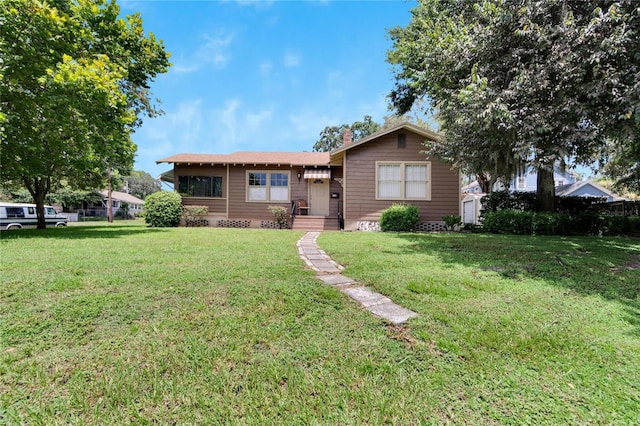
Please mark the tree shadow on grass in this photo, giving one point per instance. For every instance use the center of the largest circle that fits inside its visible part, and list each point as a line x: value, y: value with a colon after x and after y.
x: 78, y: 232
x: 585, y: 265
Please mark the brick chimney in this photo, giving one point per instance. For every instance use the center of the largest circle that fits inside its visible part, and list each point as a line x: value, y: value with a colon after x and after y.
x: 346, y: 137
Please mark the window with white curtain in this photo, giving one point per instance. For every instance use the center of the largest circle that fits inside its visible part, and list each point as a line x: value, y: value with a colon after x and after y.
x: 279, y: 187
x: 403, y: 181
x: 268, y: 186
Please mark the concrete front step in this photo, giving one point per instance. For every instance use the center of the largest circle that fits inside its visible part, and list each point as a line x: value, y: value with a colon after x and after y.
x: 315, y: 223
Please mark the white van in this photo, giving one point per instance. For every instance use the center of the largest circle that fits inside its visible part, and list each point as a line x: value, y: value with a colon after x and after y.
x: 18, y: 215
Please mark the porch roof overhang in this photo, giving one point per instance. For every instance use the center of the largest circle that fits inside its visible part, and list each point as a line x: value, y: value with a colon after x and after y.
x: 317, y: 173
x: 247, y: 158
x: 166, y: 176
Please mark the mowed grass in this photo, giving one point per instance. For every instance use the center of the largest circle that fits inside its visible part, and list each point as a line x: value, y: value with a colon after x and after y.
x: 123, y: 324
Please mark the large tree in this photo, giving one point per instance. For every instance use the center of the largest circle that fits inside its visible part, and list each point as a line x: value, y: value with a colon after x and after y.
x: 75, y: 84
x: 530, y: 82
x: 141, y: 184
x: 332, y: 137
x: 623, y: 164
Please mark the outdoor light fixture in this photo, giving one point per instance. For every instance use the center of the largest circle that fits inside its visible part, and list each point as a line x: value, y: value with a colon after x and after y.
x: 299, y: 176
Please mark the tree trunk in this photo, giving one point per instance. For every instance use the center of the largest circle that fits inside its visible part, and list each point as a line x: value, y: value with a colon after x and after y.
x: 38, y: 188
x: 546, y: 190
x: 485, y: 182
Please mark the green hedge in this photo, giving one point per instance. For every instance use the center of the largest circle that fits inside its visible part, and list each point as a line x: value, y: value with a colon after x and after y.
x: 528, y: 201
x: 163, y: 209
x: 515, y: 213
x: 532, y: 223
x: 400, y: 218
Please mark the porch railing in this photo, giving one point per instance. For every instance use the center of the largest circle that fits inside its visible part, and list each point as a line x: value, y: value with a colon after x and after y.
x: 293, y: 211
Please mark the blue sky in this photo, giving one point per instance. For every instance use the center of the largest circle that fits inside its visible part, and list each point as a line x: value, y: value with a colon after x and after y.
x: 264, y: 76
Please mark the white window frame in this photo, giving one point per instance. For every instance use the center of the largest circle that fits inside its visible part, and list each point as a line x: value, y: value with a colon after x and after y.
x: 403, y: 182
x: 521, y: 182
x: 268, y: 186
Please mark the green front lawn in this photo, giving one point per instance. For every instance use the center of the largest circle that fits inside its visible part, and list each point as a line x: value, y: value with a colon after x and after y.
x: 118, y: 324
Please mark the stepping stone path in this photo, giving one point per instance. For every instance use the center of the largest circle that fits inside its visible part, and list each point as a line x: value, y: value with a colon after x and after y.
x: 330, y: 273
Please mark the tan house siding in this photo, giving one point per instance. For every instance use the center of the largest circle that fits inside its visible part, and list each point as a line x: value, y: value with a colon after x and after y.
x: 235, y: 184
x: 217, y: 206
x: 240, y: 208
x: 360, y: 179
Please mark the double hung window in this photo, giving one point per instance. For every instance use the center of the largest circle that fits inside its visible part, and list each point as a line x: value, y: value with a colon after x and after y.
x: 268, y: 186
x: 403, y: 181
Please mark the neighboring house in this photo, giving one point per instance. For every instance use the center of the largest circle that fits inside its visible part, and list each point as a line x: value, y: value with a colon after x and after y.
x: 527, y: 180
x: 587, y: 188
x: 472, y: 188
x: 352, y: 184
x: 133, y: 205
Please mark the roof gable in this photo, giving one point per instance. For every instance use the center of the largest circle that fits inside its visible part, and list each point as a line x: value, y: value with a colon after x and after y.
x: 570, y: 189
x: 428, y: 134
x: 122, y: 196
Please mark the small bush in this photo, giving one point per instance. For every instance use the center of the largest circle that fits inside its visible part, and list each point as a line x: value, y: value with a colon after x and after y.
x: 194, y: 215
x: 279, y: 216
x: 163, y: 209
x: 192, y: 212
x: 507, y: 222
x: 620, y: 225
x: 452, y: 222
x: 399, y: 218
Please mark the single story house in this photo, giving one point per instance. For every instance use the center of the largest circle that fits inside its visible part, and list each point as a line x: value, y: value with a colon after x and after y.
x: 350, y: 186
x: 587, y: 188
x: 121, y: 200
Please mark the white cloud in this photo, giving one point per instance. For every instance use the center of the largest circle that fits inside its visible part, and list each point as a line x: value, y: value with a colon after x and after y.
x: 174, y: 132
x: 335, y: 84
x: 183, y: 68
x: 179, y: 128
x: 265, y: 68
x: 291, y: 60
x: 256, y: 120
x: 258, y: 4
x: 309, y: 122
x: 215, y: 50
x: 133, y: 5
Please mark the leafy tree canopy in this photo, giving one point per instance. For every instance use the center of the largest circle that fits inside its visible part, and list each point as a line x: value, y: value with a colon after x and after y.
x: 623, y: 164
x: 141, y: 184
x: 535, y: 81
x: 331, y: 137
x: 75, y: 84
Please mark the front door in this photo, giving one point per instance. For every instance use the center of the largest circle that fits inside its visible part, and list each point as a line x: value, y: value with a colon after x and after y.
x: 319, y: 197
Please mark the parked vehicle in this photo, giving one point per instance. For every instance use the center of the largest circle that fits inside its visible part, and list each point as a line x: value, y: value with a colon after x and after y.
x: 18, y: 215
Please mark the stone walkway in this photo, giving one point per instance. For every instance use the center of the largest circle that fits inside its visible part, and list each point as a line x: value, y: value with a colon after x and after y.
x: 331, y: 273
